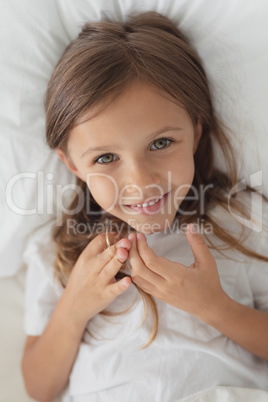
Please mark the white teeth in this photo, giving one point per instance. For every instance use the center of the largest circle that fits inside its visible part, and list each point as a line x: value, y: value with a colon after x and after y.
x: 148, y: 204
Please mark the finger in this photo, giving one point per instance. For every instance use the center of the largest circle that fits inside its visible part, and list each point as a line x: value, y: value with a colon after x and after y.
x: 99, y: 260
x: 99, y: 244
x: 142, y: 283
x: 120, y: 249
x: 119, y: 287
x: 122, y: 244
x: 113, y: 265
x: 199, y: 248
x: 138, y: 265
x: 150, y: 259
x: 126, y: 243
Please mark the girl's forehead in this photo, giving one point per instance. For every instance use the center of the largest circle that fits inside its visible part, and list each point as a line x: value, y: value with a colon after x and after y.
x: 125, y: 125
x: 138, y: 98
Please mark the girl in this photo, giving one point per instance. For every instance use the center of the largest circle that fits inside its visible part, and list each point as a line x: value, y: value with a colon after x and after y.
x: 129, y: 111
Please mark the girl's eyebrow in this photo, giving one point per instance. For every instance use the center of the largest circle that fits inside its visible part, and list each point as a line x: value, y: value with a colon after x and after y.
x: 106, y: 147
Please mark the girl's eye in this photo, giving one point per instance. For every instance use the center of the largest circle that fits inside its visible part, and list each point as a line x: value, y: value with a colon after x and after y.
x: 162, y: 143
x: 158, y: 144
x: 107, y: 158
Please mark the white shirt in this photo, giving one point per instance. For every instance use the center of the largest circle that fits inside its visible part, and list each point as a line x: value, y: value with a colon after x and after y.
x: 186, y: 356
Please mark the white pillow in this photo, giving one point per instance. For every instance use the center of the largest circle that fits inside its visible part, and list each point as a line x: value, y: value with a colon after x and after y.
x: 230, y: 36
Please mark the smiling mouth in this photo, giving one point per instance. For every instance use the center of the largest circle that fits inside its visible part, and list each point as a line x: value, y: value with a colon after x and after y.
x: 149, y: 207
x: 146, y: 204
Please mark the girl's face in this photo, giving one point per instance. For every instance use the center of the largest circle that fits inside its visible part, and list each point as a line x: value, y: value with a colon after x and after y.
x: 136, y: 150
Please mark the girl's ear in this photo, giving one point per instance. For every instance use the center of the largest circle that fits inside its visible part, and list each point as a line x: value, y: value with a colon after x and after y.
x: 69, y: 163
x: 197, y: 135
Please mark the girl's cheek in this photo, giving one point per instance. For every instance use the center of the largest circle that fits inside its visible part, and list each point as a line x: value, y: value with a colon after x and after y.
x: 103, y: 189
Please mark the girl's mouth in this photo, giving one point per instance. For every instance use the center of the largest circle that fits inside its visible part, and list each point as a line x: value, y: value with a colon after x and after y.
x: 150, y: 208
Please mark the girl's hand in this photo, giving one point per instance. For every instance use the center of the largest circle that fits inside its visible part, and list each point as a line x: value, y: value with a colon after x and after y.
x: 195, y: 289
x: 92, y: 285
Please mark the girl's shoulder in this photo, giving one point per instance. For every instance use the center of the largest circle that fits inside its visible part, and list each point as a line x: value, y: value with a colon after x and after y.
x: 40, y: 240
x: 42, y: 290
x: 40, y: 252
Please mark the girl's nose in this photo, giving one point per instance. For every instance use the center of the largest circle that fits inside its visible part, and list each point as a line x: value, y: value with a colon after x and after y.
x: 141, y: 177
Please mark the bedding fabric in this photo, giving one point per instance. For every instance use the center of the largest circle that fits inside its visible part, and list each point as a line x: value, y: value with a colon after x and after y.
x: 228, y: 394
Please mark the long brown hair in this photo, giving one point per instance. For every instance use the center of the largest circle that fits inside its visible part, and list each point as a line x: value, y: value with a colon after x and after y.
x: 95, y: 68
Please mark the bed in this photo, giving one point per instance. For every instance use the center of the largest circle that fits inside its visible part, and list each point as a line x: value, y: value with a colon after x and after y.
x: 232, y: 40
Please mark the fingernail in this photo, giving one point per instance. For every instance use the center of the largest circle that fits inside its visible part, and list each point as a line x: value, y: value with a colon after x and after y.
x: 124, y: 284
x: 141, y: 236
x: 119, y: 256
x: 132, y: 236
x: 119, y: 244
